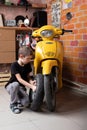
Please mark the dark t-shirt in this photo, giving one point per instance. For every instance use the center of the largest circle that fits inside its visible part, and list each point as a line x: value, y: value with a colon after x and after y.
x: 22, y: 70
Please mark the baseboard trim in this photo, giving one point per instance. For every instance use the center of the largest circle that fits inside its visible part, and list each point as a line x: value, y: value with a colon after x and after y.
x: 74, y: 85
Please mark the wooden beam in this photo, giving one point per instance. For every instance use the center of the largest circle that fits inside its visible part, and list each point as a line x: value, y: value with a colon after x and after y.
x: 39, y: 5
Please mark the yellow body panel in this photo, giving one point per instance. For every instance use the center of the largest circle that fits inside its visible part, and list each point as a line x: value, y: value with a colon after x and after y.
x: 46, y: 51
x: 47, y: 66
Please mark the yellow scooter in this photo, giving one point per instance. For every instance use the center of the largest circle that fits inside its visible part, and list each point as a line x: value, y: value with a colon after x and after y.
x: 48, y: 65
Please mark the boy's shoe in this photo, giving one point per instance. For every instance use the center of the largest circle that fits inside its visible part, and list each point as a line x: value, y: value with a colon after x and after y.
x: 20, y: 106
x: 15, y: 109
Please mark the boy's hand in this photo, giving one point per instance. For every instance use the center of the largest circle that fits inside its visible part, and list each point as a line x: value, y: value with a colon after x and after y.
x: 34, y: 88
x: 33, y: 82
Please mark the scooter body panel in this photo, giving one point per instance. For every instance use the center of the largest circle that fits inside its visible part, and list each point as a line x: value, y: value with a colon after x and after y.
x: 49, y: 54
x: 47, y: 66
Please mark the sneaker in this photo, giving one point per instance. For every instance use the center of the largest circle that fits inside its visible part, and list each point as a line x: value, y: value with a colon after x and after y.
x: 15, y: 109
x: 20, y: 106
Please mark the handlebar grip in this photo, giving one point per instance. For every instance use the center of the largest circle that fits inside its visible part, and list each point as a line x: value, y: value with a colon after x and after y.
x: 63, y: 31
x: 68, y: 31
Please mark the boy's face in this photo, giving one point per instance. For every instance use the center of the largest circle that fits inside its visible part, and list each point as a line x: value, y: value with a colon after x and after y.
x: 26, y: 59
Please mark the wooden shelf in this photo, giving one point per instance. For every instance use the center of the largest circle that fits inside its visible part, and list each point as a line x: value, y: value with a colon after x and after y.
x: 19, y: 28
x: 9, y: 45
x: 37, y: 6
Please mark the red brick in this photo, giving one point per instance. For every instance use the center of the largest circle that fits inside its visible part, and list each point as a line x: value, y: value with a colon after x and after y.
x: 83, y: 67
x: 82, y: 43
x: 78, y: 49
x: 83, y: 30
x: 78, y: 36
x: 70, y: 37
x: 85, y: 74
x: 85, y: 24
x: 74, y: 65
x: 78, y: 25
x: 74, y: 19
x: 75, y: 31
x: 83, y: 55
x: 68, y: 59
x: 68, y: 48
x: 84, y: 1
x: 84, y: 49
x: 80, y: 60
x: 83, y: 7
x: 85, y: 12
x: 74, y: 9
x: 77, y: 2
x: 64, y: 37
x: 79, y: 13
x: 78, y: 73
x: 74, y: 54
x: 71, y: 26
x: 69, y: 76
x: 74, y: 43
x: 67, y: 54
x: 82, y: 80
x: 83, y: 18
x: 85, y: 37
x: 66, y: 43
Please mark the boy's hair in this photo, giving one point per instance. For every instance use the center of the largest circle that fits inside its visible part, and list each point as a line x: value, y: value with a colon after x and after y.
x: 25, y: 51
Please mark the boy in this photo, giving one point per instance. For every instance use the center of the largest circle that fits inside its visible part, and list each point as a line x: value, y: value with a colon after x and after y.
x: 20, y: 71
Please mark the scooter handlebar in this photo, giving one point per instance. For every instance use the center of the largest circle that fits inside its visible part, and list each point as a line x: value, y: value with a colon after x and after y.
x: 63, y: 31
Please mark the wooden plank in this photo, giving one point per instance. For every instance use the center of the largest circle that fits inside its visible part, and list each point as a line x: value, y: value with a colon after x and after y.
x: 7, y: 57
x: 7, y: 35
x: 42, y: 6
x: 3, y: 80
x: 18, y: 28
x: 39, y: 5
x: 4, y: 77
x: 3, y: 84
x: 6, y: 46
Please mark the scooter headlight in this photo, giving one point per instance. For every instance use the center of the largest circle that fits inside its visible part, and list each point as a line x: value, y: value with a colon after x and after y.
x: 47, y: 33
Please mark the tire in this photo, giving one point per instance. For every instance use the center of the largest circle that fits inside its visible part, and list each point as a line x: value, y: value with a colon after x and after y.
x: 50, y: 90
x: 31, y: 95
x: 39, y: 95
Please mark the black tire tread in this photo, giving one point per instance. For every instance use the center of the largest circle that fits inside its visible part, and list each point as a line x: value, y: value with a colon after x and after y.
x: 38, y: 100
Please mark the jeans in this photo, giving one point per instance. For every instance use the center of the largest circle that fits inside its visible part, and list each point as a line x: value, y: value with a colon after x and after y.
x: 17, y: 94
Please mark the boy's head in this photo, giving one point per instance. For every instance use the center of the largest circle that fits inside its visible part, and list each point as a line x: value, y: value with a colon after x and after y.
x: 25, y: 54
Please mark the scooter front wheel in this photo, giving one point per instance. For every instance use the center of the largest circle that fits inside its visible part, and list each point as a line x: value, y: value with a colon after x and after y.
x: 37, y: 99
x: 50, y: 94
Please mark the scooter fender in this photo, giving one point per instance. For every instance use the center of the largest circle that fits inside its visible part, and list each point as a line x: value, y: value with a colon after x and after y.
x: 47, y: 66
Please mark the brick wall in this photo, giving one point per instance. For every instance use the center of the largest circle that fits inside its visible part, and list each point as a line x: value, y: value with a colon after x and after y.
x: 75, y: 45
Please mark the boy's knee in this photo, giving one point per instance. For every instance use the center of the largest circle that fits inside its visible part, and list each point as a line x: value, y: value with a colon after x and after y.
x: 12, y: 87
x: 15, y: 86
